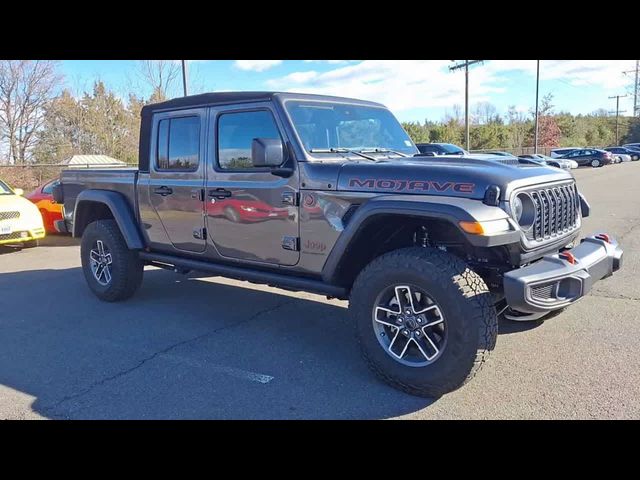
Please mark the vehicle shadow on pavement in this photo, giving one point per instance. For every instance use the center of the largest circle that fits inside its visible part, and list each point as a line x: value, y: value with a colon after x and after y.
x: 51, y: 240
x: 183, y: 348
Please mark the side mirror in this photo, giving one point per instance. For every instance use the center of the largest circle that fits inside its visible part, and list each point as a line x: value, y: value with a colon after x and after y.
x: 267, y: 152
x: 18, y: 191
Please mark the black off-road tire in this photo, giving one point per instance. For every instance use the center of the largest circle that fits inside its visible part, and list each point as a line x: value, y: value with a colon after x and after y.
x: 466, y: 305
x: 126, y: 269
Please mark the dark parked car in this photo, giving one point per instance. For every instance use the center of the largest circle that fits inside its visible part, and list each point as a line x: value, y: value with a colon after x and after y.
x: 635, y: 155
x: 590, y: 156
x: 500, y: 154
x: 440, y: 149
x: 427, y: 252
x: 560, y: 152
x: 634, y: 147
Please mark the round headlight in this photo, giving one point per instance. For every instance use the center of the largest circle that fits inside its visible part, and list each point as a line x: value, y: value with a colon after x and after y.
x: 517, y: 208
x: 524, y: 211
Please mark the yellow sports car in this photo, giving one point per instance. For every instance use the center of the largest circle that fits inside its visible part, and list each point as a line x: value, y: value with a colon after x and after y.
x: 20, y: 220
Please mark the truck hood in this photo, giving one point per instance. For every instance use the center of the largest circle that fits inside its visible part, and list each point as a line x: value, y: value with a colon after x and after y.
x: 466, y: 177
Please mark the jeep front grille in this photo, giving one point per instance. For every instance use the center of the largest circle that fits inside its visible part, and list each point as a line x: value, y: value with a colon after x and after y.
x: 556, y: 211
x: 9, y: 215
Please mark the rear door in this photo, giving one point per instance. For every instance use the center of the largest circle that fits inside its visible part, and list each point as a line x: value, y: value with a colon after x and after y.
x: 176, y: 176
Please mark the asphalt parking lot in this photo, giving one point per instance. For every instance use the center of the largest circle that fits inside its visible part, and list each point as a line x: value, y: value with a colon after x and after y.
x: 197, y: 347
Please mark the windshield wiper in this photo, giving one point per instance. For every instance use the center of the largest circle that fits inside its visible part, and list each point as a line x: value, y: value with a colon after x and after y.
x: 342, y: 150
x: 387, y: 150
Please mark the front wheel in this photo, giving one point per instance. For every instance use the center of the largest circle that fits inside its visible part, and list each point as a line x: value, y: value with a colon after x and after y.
x: 425, y: 321
x: 112, y: 271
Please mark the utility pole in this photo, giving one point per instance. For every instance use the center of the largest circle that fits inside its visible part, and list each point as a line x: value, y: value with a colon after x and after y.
x: 458, y: 66
x: 618, y: 97
x: 184, y: 76
x: 535, y: 135
x: 636, y: 107
x: 636, y: 89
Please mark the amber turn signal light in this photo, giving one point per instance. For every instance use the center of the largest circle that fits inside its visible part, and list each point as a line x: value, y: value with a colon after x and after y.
x: 475, y: 228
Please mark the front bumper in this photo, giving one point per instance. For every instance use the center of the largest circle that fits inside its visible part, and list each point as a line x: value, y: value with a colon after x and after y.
x: 558, y: 280
x: 19, y: 235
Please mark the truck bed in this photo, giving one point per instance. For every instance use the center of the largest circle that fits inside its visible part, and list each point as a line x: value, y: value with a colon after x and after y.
x: 74, y: 181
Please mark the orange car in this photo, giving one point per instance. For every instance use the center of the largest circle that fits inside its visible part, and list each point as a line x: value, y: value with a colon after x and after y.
x: 49, y: 209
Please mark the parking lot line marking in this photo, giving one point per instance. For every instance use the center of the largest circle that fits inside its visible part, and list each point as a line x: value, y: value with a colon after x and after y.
x: 231, y: 371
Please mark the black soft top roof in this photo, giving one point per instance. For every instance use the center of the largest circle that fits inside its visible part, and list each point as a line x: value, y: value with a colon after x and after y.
x: 210, y: 99
x: 235, y: 97
x: 216, y: 98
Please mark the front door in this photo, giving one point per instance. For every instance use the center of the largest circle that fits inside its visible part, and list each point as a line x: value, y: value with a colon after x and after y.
x: 252, y: 215
x: 177, y: 177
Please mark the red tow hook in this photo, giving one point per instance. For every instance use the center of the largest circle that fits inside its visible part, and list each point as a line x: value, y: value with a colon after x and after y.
x: 604, y: 236
x: 568, y: 256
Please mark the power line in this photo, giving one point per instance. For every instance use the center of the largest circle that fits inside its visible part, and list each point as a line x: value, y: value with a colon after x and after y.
x: 458, y: 66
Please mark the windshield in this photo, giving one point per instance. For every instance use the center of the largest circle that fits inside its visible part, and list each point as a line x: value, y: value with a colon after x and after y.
x: 4, y: 189
x: 451, y: 149
x: 327, y: 125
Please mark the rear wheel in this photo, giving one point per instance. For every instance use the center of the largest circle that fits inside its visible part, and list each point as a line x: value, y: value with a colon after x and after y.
x: 425, y: 321
x: 595, y: 163
x: 112, y: 271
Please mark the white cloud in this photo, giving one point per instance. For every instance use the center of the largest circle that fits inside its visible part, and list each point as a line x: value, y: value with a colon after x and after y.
x: 408, y: 84
x: 331, y: 62
x: 256, y: 65
x: 399, y: 84
x: 606, y: 74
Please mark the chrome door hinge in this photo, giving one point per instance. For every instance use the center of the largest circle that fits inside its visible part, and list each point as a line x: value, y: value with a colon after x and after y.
x: 290, y: 198
x: 200, y: 233
x: 291, y: 243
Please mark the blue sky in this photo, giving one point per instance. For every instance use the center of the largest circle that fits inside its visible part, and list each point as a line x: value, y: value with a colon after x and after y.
x: 415, y: 90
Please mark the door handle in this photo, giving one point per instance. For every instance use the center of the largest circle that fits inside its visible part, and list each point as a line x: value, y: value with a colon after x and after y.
x: 220, y: 193
x: 164, y: 191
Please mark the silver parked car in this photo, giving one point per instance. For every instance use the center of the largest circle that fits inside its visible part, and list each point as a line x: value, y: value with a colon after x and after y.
x: 563, y: 163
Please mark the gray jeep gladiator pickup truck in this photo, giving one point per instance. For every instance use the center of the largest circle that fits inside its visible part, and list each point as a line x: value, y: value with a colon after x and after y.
x: 329, y: 195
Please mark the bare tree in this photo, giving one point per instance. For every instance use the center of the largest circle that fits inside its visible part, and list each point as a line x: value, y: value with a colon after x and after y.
x: 160, y: 75
x: 484, y: 113
x: 26, y: 87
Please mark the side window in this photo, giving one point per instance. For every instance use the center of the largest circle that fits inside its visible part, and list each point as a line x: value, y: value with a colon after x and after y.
x: 178, y: 143
x: 48, y: 188
x: 236, y: 132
